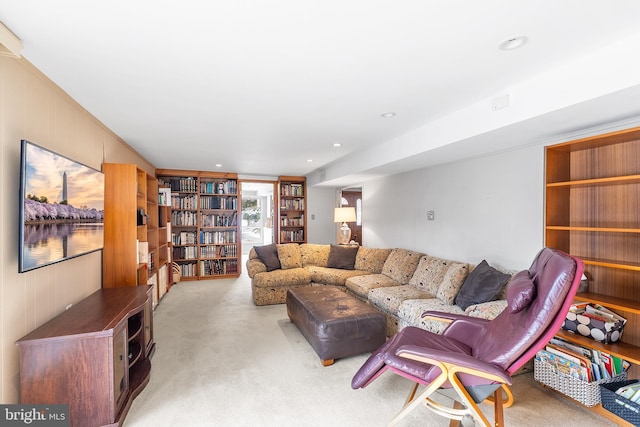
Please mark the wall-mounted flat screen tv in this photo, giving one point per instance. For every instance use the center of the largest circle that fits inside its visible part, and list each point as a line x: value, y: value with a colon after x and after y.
x: 61, y: 208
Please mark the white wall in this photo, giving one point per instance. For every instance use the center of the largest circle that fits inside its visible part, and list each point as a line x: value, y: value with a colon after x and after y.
x: 485, y: 208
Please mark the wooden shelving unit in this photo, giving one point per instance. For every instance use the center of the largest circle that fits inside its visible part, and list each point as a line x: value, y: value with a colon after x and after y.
x: 292, y: 212
x: 132, y: 217
x: 205, y: 223
x: 592, y: 212
x: 164, y: 242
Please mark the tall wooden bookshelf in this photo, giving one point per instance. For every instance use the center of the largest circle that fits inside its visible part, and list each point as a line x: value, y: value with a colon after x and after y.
x: 592, y: 212
x: 131, y: 221
x: 164, y: 240
x: 292, y: 212
x: 205, y: 223
x: 125, y: 197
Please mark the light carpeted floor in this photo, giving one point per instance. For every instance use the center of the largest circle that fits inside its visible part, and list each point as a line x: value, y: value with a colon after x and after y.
x: 222, y: 361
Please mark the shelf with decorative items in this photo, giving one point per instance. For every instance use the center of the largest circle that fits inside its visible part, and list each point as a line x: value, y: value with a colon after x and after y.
x: 592, y: 195
x: 204, y: 219
x: 292, y: 215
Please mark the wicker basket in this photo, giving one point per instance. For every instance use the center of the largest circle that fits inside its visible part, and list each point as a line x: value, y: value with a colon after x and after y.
x: 587, y: 393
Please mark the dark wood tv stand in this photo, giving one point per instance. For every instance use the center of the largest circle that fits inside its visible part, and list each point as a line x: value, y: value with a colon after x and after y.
x: 94, y: 356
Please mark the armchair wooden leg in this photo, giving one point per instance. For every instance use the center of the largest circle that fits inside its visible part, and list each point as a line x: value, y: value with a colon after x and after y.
x: 458, y: 406
x: 498, y: 413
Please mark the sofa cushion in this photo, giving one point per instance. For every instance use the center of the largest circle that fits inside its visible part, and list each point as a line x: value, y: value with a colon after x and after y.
x: 282, y: 278
x: 389, y: 298
x: 487, y: 310
x: 410, y: 314
x: 401, y: 264
x: 452, y: 282
x: 343, y: 257
x: 289, y: 255
x: 268, y: 254
x: 371, y: 259
x: 361, y: 285
x: 314, y: 254
x: 429, y: 273
x: 332, y: 276
x: 520, y: 292
x: 482, y: 284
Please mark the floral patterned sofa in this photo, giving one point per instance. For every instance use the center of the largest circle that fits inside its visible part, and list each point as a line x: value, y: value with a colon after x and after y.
x: 401, y: 283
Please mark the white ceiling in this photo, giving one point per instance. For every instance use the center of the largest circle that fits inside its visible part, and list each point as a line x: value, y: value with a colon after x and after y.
x: 262, y: 86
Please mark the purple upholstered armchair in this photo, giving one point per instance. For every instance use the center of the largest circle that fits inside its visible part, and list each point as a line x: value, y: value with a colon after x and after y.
x: 475, y: 357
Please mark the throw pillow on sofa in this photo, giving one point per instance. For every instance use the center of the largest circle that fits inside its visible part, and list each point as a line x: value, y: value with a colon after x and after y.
x: 343, y: 257
x: 429, y: 274
x: 289, y: 255
x: 452, y: 282
x: 483, y: 284
x: 268, y: 254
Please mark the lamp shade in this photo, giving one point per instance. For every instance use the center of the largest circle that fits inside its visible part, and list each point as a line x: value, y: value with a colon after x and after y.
x: 344, y: 215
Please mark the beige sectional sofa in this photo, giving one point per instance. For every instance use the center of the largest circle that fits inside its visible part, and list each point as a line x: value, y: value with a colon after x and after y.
x: 401, y: 283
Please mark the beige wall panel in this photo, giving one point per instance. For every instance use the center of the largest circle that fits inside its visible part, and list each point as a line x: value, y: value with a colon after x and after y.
x: 34, y: 108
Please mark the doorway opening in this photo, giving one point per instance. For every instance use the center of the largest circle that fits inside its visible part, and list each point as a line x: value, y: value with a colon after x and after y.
x: 353, y: 197
x: 257, y: 213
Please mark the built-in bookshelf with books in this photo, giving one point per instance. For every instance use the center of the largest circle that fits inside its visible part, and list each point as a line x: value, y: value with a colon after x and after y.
x: 205, y: 212
x: 292, y: 215
x: 592, y: 197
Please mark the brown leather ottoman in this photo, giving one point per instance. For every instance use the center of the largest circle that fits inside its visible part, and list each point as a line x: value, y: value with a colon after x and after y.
x: 335, y: 324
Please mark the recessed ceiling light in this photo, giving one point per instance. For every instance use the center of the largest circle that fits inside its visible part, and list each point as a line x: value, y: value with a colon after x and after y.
x: 309, y: 160
x: 513, y: 43
x: 218, y: 165
x: 337, y: 144
x: 388, y: 115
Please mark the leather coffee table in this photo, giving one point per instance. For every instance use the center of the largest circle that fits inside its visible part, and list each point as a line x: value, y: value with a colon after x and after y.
x: 334, y: 323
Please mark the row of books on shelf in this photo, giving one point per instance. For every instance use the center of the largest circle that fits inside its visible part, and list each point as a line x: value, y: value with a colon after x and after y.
x: 213, y: 202
x: 584, y: 363
x: 292, y: 190
x: 292, y: 204
x: 219, y: 187
x: 286, y: 221
x: 291, y: 236
x: 184, y: 238
x: 218, y: 237
x: 218, y: 251
x: 187, y: 184
x: 184, y: 202
x: 215, y: 220
x: 184, y: 218
x: 185, y: 252
x: 218, y: 266
x: 188, y: 269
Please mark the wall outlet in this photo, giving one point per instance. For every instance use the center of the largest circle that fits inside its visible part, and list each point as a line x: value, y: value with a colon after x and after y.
x: 430, y: 215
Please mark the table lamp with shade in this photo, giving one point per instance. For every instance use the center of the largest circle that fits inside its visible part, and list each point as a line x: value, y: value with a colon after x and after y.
x: 344, y: 215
